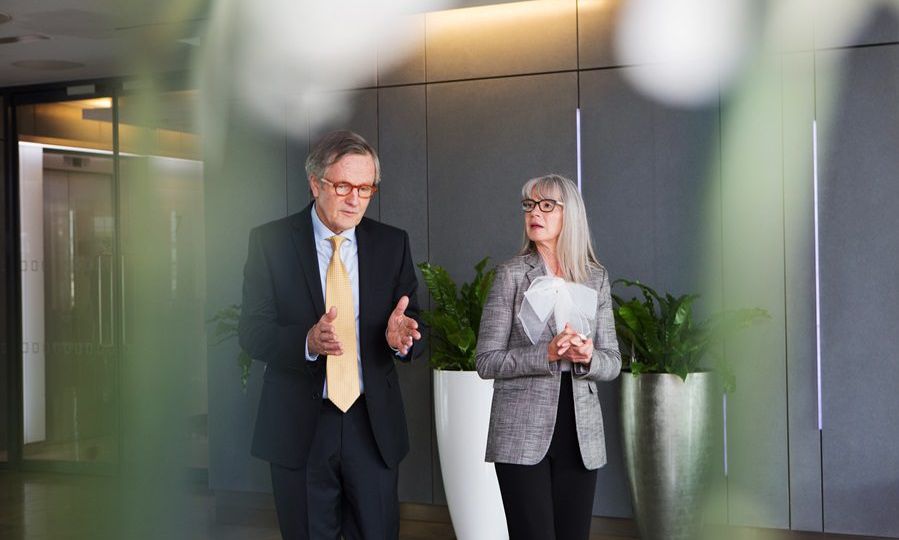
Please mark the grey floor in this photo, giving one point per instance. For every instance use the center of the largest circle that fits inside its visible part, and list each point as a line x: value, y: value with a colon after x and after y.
x: 54, y: 506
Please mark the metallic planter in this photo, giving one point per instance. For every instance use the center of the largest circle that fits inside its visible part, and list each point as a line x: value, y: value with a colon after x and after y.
x: 667, y: 433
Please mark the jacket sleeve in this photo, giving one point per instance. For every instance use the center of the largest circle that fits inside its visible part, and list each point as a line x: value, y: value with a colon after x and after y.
x: 606, y: 362
x: 259, y: 333
x: 495, y: 360
x: 407, y: 284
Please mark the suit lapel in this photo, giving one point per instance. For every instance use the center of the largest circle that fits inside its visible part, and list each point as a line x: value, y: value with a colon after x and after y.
x: 366, y: 267
x: 367, y: 273
x: 304, y: 242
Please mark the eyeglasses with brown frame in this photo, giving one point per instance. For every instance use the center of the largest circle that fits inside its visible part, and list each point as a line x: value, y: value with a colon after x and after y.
x: 343, y: 189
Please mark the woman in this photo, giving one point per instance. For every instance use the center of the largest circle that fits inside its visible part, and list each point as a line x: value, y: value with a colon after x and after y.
x: 547, y: 336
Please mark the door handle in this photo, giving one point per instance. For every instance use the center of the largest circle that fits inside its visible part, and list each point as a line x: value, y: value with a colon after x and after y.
x: 100, y: 296
x: 100, y: 314
x: 122, y: 297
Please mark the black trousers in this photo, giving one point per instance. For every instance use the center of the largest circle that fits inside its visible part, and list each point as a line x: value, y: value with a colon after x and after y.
x: 552, y: 500
x: 345, y: 490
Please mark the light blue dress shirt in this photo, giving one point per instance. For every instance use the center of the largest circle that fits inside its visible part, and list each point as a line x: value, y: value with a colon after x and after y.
x: 349, y: 254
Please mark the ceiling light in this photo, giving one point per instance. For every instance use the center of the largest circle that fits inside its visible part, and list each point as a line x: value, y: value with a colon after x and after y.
x: 47, y: 65
x: 96, y: 103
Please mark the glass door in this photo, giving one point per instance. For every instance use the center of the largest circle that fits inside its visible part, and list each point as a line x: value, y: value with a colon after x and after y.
x: 163, y: 254
x: 71, y: 278
x: 110, y: 195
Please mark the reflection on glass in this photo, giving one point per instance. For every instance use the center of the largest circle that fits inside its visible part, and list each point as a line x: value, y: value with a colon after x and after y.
x: 163, y: 254
x: 66, y: 178
x: 113, y: 281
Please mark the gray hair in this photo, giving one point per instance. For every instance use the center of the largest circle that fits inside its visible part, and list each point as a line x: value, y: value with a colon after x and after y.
x: 574, y: 249
x: 333, y: 146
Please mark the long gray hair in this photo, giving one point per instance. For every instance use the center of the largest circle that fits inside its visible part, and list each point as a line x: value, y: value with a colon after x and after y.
x: 574, y: 249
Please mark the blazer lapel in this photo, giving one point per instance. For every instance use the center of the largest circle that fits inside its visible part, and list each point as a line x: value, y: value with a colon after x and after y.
x: 304, y: 242
x: 538, y: 269
x: 366, y: 263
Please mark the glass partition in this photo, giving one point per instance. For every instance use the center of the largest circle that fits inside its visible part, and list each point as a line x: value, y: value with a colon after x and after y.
x: 69, y: 282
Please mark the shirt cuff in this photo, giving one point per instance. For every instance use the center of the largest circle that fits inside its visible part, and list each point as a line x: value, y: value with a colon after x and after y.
x: 309, y: 357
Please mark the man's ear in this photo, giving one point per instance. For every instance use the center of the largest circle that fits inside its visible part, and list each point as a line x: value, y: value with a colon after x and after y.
x: 314, y: 187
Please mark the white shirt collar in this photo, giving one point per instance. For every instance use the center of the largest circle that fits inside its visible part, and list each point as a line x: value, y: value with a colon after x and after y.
x: 322, y: 232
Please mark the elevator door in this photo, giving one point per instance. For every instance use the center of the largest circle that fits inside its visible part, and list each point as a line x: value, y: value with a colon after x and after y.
x: 71, y: 284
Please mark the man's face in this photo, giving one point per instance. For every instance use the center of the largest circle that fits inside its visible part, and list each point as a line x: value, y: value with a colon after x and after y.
x: 342, y: 212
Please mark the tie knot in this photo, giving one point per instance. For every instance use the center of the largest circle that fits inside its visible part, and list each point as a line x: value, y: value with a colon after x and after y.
x: 336, y: 240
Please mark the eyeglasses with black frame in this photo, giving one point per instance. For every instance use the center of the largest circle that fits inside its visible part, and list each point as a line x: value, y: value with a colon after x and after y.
x: 344, y: 188
x: 545, y: 205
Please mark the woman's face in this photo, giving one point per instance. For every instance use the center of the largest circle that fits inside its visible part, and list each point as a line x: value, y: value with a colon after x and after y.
x: 544, y: 227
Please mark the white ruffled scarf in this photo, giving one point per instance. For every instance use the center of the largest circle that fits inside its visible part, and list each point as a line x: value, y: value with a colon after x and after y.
x: 568, y: 302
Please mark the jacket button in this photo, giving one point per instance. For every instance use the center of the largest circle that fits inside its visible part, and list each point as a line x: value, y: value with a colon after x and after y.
x: 315, y: 396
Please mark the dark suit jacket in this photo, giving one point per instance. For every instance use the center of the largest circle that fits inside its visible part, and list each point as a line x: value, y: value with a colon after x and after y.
x: 282, y: 300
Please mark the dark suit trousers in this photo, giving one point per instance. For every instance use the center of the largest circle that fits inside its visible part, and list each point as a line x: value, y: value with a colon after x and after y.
x: 350, y: 489
x: 346, y: 487
x: 552, y: 500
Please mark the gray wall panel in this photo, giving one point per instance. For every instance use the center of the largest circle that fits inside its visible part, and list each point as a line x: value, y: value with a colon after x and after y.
x: 858, y: 209
x: 650, y: 200
x: 245, y: 190
x: 753, y: 264
x: 401, y: 58
x: 799, y: 253
x: 485, y: 139
x: 596, y: 20
x: 297, y: 148
x: 404, y: 204
x: 513, y: 39
x: 862, y: 22
x: 686, y: 203
x: 616, y: 149
x: 358, y: 111
x: 617, y: 154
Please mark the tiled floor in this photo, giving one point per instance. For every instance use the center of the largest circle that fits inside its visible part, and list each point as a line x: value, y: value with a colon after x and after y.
x: 45, y: 506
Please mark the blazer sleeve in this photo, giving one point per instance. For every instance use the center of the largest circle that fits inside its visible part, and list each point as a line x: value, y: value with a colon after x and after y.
x: 259, y: 333
x: 407, y: 284
x: 606, y: 362
x: 495, y: 359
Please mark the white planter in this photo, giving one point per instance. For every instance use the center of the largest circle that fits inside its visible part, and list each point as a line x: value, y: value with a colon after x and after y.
x: 462, y: 409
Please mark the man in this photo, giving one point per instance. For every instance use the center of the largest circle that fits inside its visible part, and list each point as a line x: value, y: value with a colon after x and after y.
x: 329, y: 304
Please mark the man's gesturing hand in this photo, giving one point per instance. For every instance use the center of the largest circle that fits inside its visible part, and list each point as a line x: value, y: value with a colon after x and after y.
x: 401, y: 330
x: 322, y: 338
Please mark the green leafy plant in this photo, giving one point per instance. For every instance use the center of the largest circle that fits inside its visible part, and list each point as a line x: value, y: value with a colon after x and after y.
x: 226, y: 321
x: 660, y: 336
x: 456, y: 318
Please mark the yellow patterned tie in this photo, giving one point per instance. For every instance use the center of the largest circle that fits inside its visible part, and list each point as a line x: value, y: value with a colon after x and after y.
x: 342, y: 371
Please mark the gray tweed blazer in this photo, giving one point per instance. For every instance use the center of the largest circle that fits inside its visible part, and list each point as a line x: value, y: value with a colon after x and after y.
x: 526, y: 386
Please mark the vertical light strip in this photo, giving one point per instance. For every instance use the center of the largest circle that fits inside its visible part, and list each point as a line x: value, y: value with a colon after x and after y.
x: 578, y: 126
x: 817, y: 273
x: 724, y: 407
